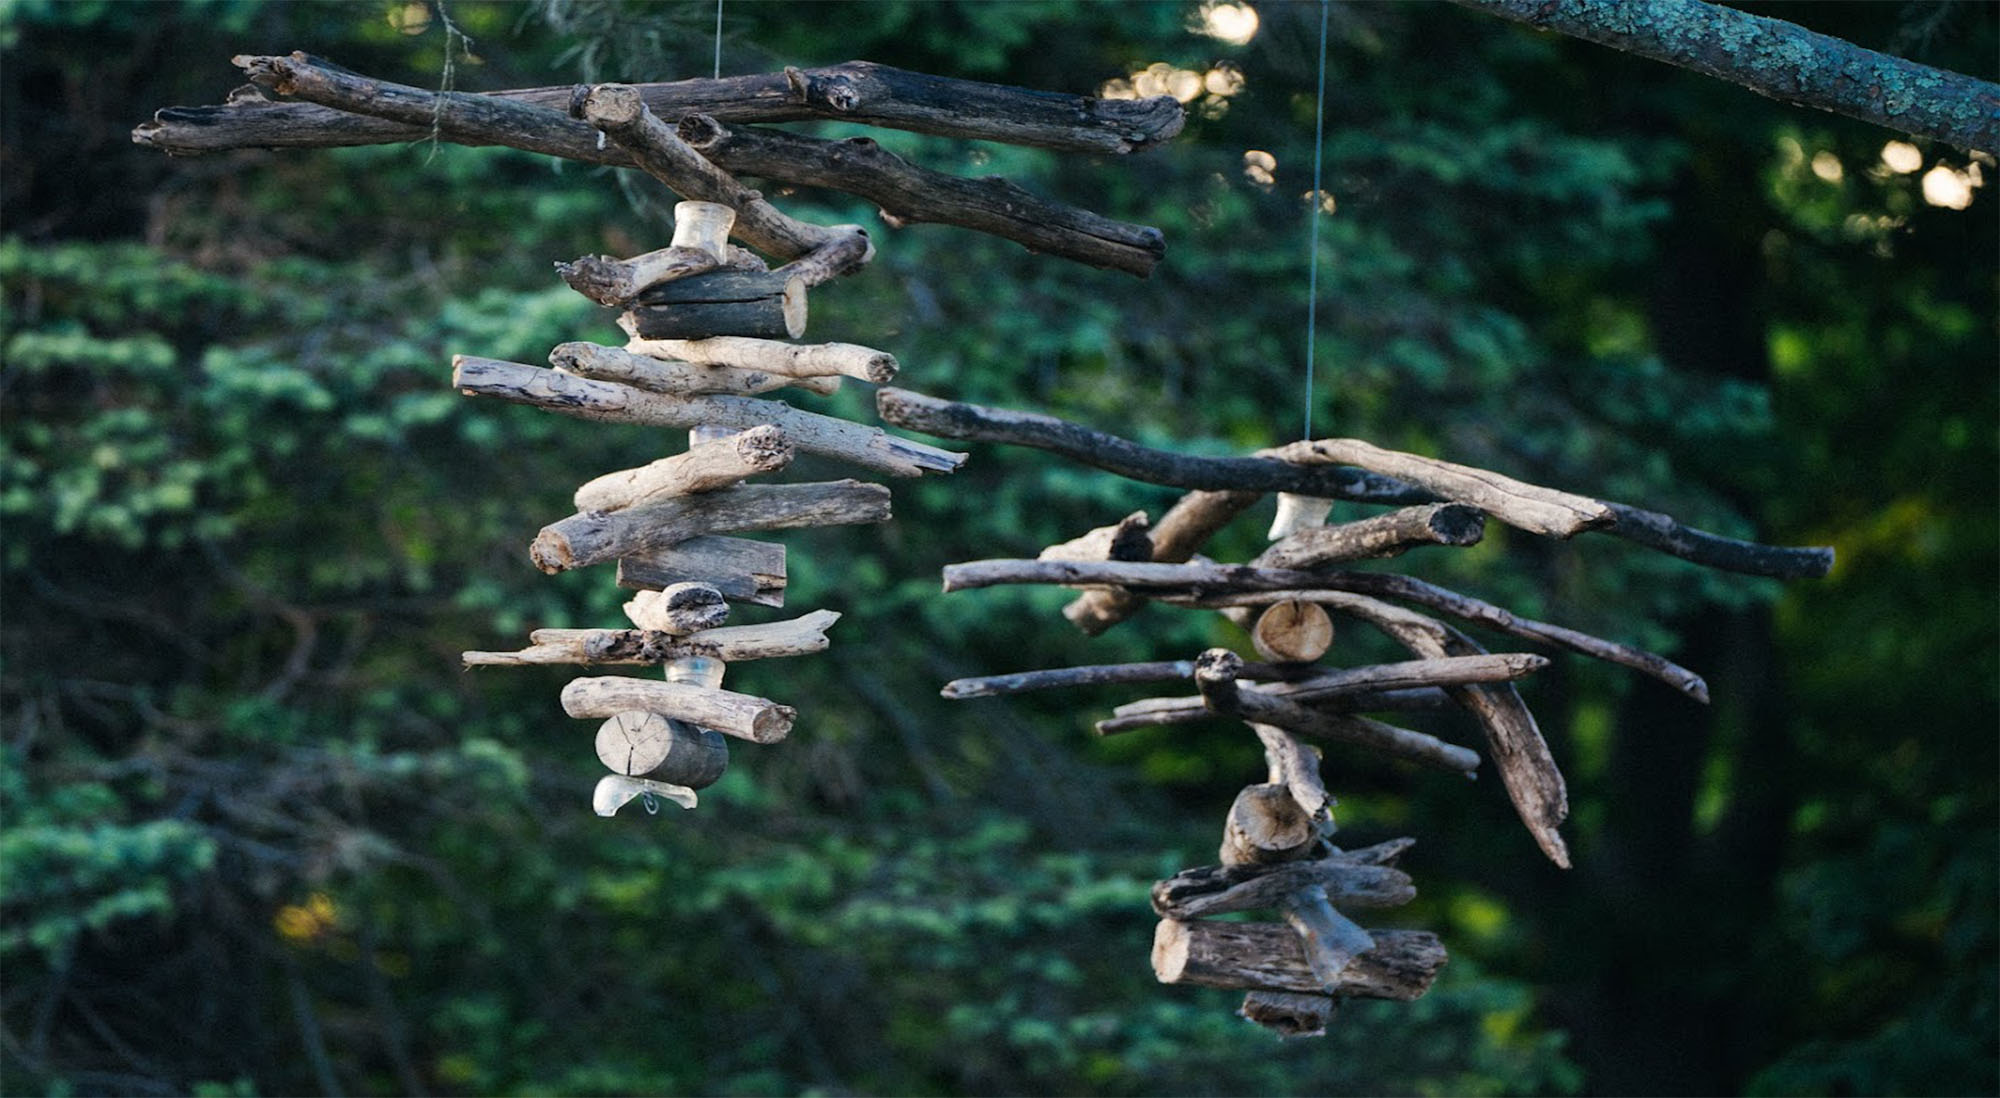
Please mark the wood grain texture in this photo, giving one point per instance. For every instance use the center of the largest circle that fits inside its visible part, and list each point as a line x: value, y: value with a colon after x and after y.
x: 742, y: 569
x: 592, y: 537
x: 1269, y: 957
x: 744, y: 716
x: 704, y: 467
x: 800, y: 360
x: 1218, y: 889
x: 800, y: 636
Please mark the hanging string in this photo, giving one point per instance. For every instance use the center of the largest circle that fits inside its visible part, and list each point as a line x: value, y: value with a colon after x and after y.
x: 1318, y: 206
x: 718, y: 39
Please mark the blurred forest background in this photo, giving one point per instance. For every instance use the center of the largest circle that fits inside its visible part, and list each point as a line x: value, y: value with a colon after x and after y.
x: 263, y: 835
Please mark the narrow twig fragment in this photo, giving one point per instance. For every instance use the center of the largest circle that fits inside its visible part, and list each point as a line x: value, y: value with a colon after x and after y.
x: 1215, y: 674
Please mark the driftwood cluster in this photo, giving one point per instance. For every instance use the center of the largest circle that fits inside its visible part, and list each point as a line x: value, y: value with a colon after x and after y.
x: 1276, y: 855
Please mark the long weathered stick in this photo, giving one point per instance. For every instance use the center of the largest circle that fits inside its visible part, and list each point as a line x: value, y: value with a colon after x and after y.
x: 1270, y: 956
x: 704, y: 467
x: 976, y: 423
x: 801, y: 636
x: 1535, y: 509
x: 593, y: 537
x: 1353, y: 682
x: 609, y: 402
x: 744, y: 716
x: 1781, y: 60
x: 656, y: 375
x: 1149, y: 712
x: 1103, y: 674
x: 1215, y: 673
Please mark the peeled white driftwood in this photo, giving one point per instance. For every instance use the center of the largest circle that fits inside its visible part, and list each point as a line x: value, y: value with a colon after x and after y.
x: 800, y: 636
x: 615, y: 791
x: 1292, y: 632
x: 742, y: 569
x: 1129, y: 538
x: 679, y: 609
x: 799, y: 360
x: 744, y: 716
x: 1269, y: 957
x: 637, y: 743
x: 609, y: 402
x: 705, y: 467
x: 655, y: 375
x: 592, y: 537
x: 1297, y: 512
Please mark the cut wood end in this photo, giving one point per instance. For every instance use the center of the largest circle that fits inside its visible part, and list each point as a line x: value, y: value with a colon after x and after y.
x: 773, y: 724
x: 1293, y: 631
x: 765, y: 448
x: 794, y: 303
x: 551, y: 553
x: 612, y: 105
x: 1170, y: 950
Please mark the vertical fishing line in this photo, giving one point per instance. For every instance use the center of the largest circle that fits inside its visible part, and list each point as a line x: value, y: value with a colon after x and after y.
x: 718, y: 39
x: 1318, y: 206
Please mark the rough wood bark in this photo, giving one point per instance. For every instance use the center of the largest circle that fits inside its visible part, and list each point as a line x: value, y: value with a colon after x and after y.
x: 596, y: 536
x: 1384, y: 535
x: 1296, y: 767
x: 1781, y: 60
x: 679, y: 609
x: 758, y: 720
x: 801, y: 636
x: 976, y: 423
x: 1130, y: 538
x: 756, y: 304
x: 907, y: 194
x: 700, y: 244
x: 1098, y: 675
x: 1151, y: 712
x: 1181, y: 532
x: 1292, y: 631
x: 742, y: 569
x: 1215, y: 673
x: 898, y: 100
x: 1288, y: 1013
x: 1355, y: 683
x: 1220, y: 889
x: 637, y: 743
x: 1297, y: 512
x: 609, y: 402
x: 767, y: 356
x: 704, y: 467
x: 1269, y: 957
x: 1265, y: 824
x: 654, y: 375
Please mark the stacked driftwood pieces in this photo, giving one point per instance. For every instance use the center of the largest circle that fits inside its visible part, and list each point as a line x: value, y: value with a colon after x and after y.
x: 1275, y: 855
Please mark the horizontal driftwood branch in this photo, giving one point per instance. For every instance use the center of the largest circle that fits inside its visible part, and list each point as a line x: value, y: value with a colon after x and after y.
x: 1533, y: 508
x: 976, y: 423
x: 1356, y: 683
x: 1130, y: 538
x: 742, y: 569
x: 1220, y: 889
x: 1269, y: 956
x: 610, y: 402
x: 1384, y: 535
x: 1215, y: 674
x: 801, y: 360
x: 655, y: 375
x: 593, y: 537
x: 801, y: 636
x: 1288, y: 1013
x: 704, y: 467
x: 744, y: 716
x: 1104, y: 674
x: 1150, y: 712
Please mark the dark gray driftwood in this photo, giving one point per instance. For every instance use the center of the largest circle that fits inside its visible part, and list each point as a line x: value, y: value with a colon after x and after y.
x: 976, y: 423
x: 1296, y: 767
x: 611, y: 281
x: 761, y: 304
x: 1150, y: 712
x: 742, y: 569
x: 596, y: 536
x: 1099, y: 675
x: 1385, y: 535
x: 1269, y: 957
x: 1288, y: 1013
x: 1220, y: 889
x: 1215, y: 673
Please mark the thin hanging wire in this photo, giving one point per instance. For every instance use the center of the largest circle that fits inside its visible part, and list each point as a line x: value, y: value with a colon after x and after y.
x: 1318, y: 205
x: 718, y: 39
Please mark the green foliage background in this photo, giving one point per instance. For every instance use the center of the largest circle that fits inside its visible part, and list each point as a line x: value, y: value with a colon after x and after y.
x: 261, y: 834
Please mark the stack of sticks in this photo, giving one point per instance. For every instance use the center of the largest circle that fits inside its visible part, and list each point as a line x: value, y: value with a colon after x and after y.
x: 1275, y: 853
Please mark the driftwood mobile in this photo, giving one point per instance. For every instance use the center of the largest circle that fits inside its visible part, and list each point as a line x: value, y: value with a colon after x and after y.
x: 710, y: 326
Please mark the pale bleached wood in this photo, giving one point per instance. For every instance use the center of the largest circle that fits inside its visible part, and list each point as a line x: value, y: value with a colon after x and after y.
x: 744, y: 716
x: 1293, y: 631
x: 1295, y: 766
x: 1215, y: 673
x: 704, y: 467
x: 609, y: 402
x: 751, y: 304
x: 1269, y: 957
x: 1180, y: 533
x: 700, y: 244
x: 742, y: 569
x: 1288, y: 1013
x: 1129, y: 538
x: 1265, y: 824
x: 850, y: 249
x: 637, y: 743
x: 801, y: 360
x: 1331, y: 940
x: 800, y: 636
x: 1219, y: 890
x: 654, y: 375
x: 1531, y: 507
x: 1153, y: 712
x: 679, y: 609
x: 1385, y: 535
x: 1297, y: 512
x: 592, y: 537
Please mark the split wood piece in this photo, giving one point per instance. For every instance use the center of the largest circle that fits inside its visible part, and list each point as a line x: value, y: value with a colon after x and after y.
x: 801, y: 636
x: 700, y: 244
x: 593, y: 537
x: 1288, y: 1013
x: 610, y: 402
x: 1514, y: 742
x: 1219, y: 890
x: 893, y: 99
x: 654, y: 375
x: 1269, y: 957
x: 637, y: 743
x: 906, y: 193
x: 758, y: 720
x: 1216, y: 672
x: 1130, y: 538
x: 1296, y: 767
x: 679, y: 609
x: 1215, y: 586
x: 705, y: 467
x: 1265, y: 824
x: 800, y: 360
x: 1181, y: 532
x: 742, y: 569
x: 1151, y: 712
x: 1099, y: 675
x: 761, y: 304
x: 1386, y: 535
x: 1332, y: 941
x: 1359, y: 684
x: 1538, y: 510
x: 1297, y: 512
x: 1293, y: 631
x: 977, y: 423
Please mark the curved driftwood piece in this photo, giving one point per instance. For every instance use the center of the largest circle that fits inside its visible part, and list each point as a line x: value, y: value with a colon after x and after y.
x: 1533, y: 508
x: 637, y: 743
x: 1296, y: 767
x: 610, y: 281
x: 593, y: 537
x: 758, y: 720
x: 1331, y: 940
x: 1270, y: 957
x: 1221, y: 889
x: 1020, y: 682
x: 1180, y: 533
x: 1293, y: 631
x: 679, y: 609
x: 1130, y: 538
x: 742, y: 569
x: 1265, y: 824
x: 800, y: 360
x: 976, y: 423
x: 907, y: 194
x: 1215, y: 674
x: 756, y: 304
x: 704, y: 467
x: 1151, y: 712
x: 1288, y: 1013
x: 1384, y: 535
x: 801, y: 636
x: 1363, y: 685
x: 895, y: 99
x: 610, y: 402
x: 655, y: 375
